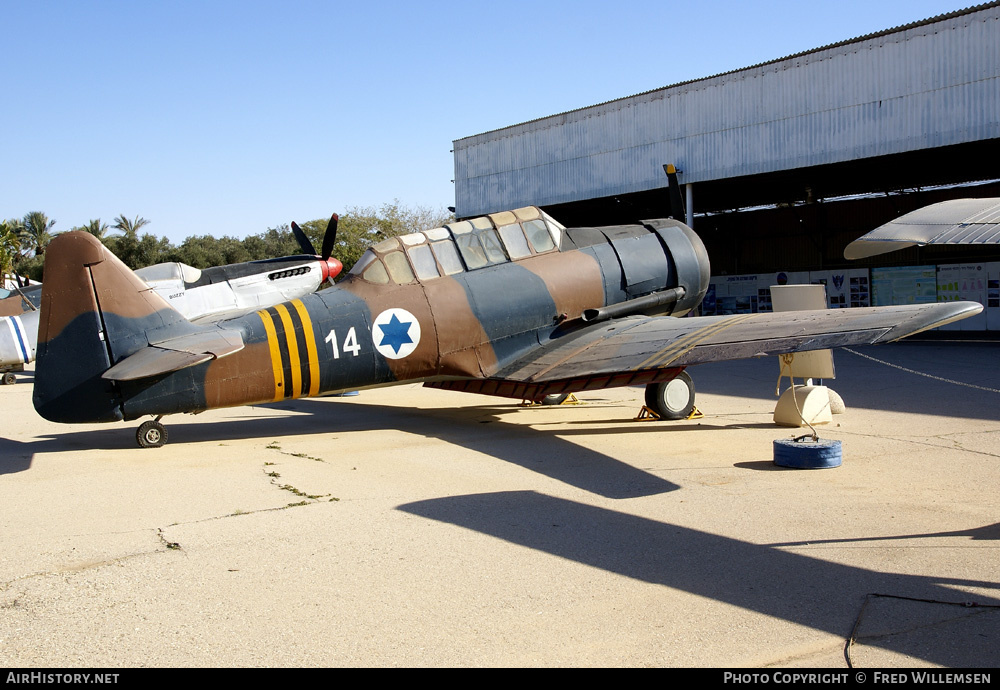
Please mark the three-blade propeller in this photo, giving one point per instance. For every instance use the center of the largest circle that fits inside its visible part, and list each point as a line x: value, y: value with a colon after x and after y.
x: 329, y: 240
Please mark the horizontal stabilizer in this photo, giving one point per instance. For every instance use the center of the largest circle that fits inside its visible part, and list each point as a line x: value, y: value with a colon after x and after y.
x: 172, y: 354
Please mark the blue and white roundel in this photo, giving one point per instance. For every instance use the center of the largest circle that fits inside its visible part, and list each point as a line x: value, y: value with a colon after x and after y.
x: 395, y: 333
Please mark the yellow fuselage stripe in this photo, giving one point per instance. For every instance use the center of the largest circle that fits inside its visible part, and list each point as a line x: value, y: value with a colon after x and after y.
x: 293, y: 349
x: 272, y: 344
x: 307, y: 331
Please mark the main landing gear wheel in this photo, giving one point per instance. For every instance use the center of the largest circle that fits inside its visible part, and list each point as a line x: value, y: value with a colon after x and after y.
x: 151, y: 434
x: 9, y: 379
x: 555, y: 399
x: 673, y: 399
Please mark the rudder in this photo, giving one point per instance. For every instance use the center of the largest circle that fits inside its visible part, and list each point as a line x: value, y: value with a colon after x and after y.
x: 94, y: 312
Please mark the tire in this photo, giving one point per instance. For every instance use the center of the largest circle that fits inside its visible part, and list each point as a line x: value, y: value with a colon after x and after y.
x: 807, y: 455
x: 673, y: 399
x: 151, y: 434
x: 9, y: 379
x: 556, y: 399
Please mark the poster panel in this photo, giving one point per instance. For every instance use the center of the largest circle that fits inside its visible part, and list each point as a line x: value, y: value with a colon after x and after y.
x: 968, y: 282
x: 748, y: 293
x: 848, y: 287
x: 903, y: 285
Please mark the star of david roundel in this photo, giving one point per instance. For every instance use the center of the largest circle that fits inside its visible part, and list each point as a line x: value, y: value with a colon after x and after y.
x: 395, y: 333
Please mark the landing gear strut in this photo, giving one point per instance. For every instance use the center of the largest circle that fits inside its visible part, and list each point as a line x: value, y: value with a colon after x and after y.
x: 673, y: 399
x: 151, y: 434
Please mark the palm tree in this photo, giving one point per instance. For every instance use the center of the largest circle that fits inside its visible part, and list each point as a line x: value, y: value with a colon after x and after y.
x: 10, y: 243
x: 130, y: 227
x: 37, y: 231
x: 95, y: 228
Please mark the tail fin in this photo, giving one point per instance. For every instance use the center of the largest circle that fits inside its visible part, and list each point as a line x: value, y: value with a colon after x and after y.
x: 94, y: 313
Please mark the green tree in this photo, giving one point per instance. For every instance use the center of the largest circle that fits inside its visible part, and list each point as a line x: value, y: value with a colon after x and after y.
x: 202, y: 251
x: 37, y: 232
x: 137, y: 252
x: 96, y: 228
x: 130, y: 228
x: 358, y: 229
x: 10, y: 245
x: 272, y: 243
x: 361, y: 227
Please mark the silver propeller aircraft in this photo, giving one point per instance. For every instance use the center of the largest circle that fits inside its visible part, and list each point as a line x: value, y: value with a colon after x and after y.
x: 199, y: 295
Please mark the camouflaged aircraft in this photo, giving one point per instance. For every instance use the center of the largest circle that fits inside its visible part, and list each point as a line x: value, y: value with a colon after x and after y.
x: 199, y: 295
x: 512, y: 304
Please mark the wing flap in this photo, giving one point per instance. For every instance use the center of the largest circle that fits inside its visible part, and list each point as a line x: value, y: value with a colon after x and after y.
x: 173, y: 354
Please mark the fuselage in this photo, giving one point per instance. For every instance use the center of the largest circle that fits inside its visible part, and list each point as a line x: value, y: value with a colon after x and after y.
x: 457, y: 302
x: 413, y: 310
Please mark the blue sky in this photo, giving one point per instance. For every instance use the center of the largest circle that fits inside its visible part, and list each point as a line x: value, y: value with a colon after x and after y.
x: 226, y: 118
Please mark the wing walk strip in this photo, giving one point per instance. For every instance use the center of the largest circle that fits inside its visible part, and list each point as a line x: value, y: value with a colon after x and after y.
x: 684, y: 345
x: 282, y: 327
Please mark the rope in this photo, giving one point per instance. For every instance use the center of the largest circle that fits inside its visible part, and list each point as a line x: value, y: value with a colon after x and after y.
x: 786, y: 361
x: 868, y: 597
x: 920, y: 373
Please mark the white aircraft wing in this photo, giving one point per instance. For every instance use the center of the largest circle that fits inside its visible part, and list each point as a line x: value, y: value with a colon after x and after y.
x: 957, y: 221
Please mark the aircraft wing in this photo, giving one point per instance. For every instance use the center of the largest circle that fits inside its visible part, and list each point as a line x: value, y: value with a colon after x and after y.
x: 957, y: 221
x: 642, y: 343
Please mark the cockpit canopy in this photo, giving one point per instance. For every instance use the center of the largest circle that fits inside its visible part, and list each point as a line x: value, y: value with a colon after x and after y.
x: 171, y: 272
x: 461, y: 246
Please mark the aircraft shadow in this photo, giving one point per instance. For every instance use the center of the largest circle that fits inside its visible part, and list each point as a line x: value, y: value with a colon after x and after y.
x: 475, y: 428
x: 866, y: 384
x: 820, y: 594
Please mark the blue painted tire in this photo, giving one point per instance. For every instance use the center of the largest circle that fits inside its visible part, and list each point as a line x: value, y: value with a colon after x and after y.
x: 807, y: 455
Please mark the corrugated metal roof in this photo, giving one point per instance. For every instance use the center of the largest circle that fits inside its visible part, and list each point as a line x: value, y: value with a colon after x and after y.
x: 923, y: 85
x: 858, y: 39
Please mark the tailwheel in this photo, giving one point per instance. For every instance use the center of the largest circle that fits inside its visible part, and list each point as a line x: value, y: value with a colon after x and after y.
x: 673, y: 399
x: 151, y: 434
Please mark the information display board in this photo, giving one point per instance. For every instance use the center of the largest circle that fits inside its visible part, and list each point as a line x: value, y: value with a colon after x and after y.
x: 844, y: 288
x: 746, y: 294
x: 857, y: 287
x: 904, y: 285
x: 968, y: 282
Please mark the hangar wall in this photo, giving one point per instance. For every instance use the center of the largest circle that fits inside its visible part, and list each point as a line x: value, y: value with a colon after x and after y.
x: 927, y: 85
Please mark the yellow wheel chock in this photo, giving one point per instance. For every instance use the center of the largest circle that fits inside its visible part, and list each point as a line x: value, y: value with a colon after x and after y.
x: 646, y: 414
x: 567, y: 399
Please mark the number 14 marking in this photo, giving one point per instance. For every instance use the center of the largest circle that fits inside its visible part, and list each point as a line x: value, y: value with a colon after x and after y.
x: 350, y: 343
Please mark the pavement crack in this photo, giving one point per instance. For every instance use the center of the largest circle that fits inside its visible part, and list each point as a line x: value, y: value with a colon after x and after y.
x: 172, y: 545
x: 274, y: 476
x: 945, y: 441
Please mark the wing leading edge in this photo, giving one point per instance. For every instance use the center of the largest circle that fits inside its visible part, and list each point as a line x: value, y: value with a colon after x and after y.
x: 957, y: 221
x: 643, y: 349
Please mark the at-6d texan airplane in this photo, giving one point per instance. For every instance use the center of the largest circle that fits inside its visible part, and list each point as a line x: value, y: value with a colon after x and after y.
x: 512, y: 304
